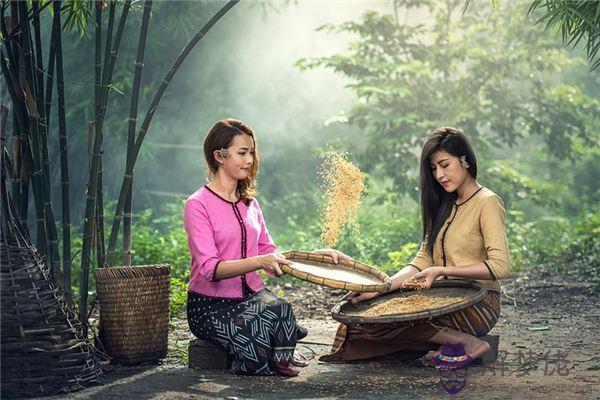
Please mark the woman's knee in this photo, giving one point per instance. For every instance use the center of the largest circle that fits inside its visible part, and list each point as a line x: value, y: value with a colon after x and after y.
x: 280, y: 307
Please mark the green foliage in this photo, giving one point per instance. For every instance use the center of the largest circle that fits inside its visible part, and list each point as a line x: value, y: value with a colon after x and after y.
x: 582, y: 255
x: 586, y: 179
x: 576, y: 20
x: 159, y: 237
x: 513, y: 186
x: 535, y: 243
x: 178, y: 296
x: 399, y: 259
x: 77, y: 15
x: 488, y: 72
x: 383, y: 229
x: 178, y: 352
x: 557, y: 245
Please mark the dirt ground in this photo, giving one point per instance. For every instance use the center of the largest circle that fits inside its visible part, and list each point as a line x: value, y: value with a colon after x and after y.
x: 549, y: 349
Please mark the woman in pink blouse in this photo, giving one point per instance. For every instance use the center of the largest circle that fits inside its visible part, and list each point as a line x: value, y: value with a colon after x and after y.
x: 229, y: 242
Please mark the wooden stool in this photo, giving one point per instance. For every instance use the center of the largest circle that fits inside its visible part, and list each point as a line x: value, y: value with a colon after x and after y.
x: 205, y: 355
x: 491, y: 356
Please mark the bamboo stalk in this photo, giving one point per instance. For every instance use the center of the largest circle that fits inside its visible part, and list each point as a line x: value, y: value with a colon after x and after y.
x: 133, y: 110
x: 105, y: 82
x: 10, y: 45
x: 39, y: 93
x: 49, y: 219
x: 100, y: 247
x: 90, y: 141
x: 108, y: 42
x: 16, y: 150
x: 110, y: 57
x: 31, y: 115
x: 90, y: 206
x: 23, y: 172
x: 115, y: 48
x: 50, y: 79
x: 5, y: 163
x: 18, y: 26
x: 16, y: 143
x: 24, y: 181
x: 64, y: 160
x: 98, y: 88
x: 10, y: 71
x: 3, y: 118
x: 128, y: 176
x: 91, y: 128
x: 56, y: 30
x: 43, y: 191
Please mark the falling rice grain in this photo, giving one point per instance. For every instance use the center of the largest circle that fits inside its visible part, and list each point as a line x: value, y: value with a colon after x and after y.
x: 343, y: 185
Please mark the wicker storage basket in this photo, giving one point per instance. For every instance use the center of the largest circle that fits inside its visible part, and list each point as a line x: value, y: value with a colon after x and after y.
x: 346, y: 274
x: 134, y: 312
x: 472, y: 291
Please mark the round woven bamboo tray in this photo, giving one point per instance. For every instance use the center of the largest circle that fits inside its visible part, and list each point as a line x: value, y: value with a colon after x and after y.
x: 348, y: 313
x: 346, y: 274
x: 134, y: 311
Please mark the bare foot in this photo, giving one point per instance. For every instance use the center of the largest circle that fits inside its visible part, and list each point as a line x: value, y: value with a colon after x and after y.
x: 286, y: 368
x: 475, y: 348
x: 433, y: 354
x: 296, y: 362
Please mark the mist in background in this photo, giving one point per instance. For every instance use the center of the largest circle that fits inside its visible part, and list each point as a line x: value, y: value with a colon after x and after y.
x: 529, y: 105
x: 250, y: 75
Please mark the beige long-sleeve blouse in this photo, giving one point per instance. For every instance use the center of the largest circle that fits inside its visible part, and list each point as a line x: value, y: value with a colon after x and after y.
x: 473, y: 233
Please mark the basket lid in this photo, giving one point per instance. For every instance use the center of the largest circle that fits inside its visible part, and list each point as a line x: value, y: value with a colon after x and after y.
x: 346, y: 274
x: 464, y: 292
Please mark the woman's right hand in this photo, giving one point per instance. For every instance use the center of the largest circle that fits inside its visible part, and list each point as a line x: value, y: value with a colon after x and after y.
x: 270, y: 263
x: 357, y: 297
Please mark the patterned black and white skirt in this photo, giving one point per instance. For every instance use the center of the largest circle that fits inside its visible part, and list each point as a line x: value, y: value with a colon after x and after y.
x: 259, y: 333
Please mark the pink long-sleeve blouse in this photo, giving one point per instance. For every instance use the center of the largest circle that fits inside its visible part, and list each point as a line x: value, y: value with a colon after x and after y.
x: 220, y: 230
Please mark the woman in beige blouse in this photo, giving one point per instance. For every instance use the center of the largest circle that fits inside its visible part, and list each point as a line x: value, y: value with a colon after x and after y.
x: 463, y: 237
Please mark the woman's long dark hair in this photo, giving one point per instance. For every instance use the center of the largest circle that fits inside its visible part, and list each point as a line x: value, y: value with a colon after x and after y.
x: 220, y: 136
x: 436, y: 203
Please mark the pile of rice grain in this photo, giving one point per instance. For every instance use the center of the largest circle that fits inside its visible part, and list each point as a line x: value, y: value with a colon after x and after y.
x: 343, y: 185
x: 409, y: 304
x: 415, y: 283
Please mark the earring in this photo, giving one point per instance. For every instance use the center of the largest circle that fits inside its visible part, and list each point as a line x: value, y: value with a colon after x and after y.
x: 223, y: 152
x: 463, y: 161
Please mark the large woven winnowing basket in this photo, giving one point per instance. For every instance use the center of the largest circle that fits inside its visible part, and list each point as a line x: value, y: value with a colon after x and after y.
x: 469, y: 291
x: 346, y: 274
x: 134, y: 311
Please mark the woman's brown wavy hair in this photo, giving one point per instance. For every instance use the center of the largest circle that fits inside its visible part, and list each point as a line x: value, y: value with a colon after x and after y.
x: 221, y: 136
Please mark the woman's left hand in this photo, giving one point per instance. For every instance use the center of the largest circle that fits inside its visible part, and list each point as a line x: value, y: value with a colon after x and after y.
x: 336, y: 255
x: 430, y: 275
